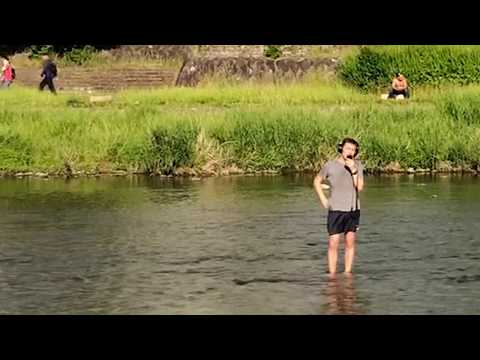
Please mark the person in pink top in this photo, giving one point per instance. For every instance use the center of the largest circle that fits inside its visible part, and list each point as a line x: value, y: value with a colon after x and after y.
x: 7, y: 74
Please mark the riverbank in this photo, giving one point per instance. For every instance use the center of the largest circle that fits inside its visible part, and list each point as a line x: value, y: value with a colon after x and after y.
x: 197, y: 176
x: 242, y: 129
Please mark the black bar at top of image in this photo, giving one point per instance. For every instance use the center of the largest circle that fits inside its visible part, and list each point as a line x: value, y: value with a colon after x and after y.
x: 247, y: 23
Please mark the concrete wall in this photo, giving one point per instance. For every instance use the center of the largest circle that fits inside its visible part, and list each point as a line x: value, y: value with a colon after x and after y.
x: 196, y: 69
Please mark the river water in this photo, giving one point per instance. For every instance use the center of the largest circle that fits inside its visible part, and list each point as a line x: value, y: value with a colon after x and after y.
x: 235, y: 245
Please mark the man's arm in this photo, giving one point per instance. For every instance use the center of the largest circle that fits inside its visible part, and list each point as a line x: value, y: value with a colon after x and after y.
x: 357, y: 174
x: 358, y: 181
x: 317, y: 184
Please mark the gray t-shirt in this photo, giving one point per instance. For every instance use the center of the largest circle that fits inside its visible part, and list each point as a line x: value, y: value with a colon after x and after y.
x: 343, y: 195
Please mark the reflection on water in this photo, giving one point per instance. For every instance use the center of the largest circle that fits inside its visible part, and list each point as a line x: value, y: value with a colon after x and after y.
x: 341, y: 298
x: 237, y: 245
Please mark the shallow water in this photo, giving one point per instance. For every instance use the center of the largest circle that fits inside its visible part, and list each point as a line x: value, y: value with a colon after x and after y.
x: 236, y: 245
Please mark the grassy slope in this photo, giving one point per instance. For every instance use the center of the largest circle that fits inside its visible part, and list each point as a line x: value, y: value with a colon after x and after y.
x: 252, y: 127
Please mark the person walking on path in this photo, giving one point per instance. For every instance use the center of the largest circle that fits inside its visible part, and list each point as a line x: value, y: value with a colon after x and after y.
x: 8, y: 74
x: 49, y: 73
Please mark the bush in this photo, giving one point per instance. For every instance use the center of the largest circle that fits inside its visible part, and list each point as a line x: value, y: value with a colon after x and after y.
x: 68, y: 54
x: 273, y: 51
x: 375, y: 66
x: 173, y: 147
x: 79, y: 56
x: 37, y: 51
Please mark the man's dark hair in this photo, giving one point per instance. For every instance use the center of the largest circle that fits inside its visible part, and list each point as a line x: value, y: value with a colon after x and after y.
x: 350, y: 141
x: 397, y: 74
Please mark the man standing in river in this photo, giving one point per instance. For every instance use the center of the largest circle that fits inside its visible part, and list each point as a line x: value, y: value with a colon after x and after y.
x: 345, y: 176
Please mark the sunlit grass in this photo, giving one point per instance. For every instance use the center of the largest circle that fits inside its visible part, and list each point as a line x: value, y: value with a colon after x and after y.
x: 252, y: 127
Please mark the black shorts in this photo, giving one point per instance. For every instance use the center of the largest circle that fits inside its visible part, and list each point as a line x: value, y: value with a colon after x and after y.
x: 340, y: 222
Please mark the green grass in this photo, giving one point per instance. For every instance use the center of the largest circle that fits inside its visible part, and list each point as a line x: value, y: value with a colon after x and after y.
x: 436, y: 65
x: 251, y: 127
x: 100, y: 62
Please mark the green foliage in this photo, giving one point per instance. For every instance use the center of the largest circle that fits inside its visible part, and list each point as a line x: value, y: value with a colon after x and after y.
x: 366, y: 71
x: 67, y: 54
x: 461, y: 108
x: 375, y: 66
x: 15, y: 152
x: 79, y: 56
x: 273, y: 51
x: 263, y: 127
x: 37, y: 51
x: 174, y: 146
x: 272, y: 140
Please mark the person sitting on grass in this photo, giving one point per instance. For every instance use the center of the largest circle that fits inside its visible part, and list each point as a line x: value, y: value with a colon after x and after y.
x: 399, y: 87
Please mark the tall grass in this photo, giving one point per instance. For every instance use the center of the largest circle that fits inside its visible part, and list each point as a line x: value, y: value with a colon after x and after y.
x: 252, y: 128
x: 374, y: 66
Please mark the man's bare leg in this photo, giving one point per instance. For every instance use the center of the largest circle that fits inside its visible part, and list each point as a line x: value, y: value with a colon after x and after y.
x: 350, y: 238
x: 333, y: 242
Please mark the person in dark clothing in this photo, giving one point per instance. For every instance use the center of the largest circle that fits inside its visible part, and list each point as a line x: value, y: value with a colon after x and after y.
x: 49, y: 73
